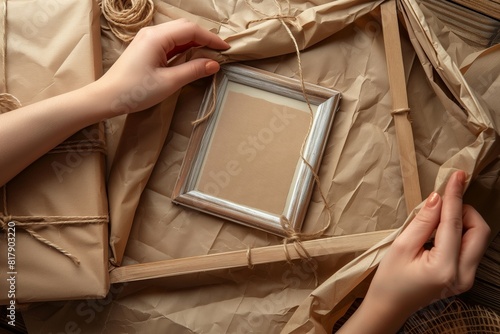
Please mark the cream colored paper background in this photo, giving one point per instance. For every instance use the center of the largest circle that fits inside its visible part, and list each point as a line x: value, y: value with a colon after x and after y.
x: 455, y: 119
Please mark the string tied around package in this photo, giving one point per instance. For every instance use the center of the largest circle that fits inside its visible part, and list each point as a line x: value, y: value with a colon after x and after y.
x: 9, y: 224
x: 127, y: 17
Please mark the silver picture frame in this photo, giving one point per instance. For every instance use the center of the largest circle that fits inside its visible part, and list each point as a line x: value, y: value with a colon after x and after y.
x: 229, y: 175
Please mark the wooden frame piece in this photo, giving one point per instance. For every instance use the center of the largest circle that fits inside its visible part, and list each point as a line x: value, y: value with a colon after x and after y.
x: 240, y: 258
x: 401, y: 110
x: 236, y: 166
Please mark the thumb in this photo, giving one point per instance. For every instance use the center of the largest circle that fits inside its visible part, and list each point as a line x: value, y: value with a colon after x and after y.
x: 420, y: 229
x: 180, y: 75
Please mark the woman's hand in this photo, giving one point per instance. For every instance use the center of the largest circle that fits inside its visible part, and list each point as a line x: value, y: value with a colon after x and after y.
x: 411, y: 276
x: 140, y: 78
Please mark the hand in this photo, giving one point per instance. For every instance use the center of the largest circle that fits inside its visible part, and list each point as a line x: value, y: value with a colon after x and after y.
x: 411, y: 276
x: 140, y: 78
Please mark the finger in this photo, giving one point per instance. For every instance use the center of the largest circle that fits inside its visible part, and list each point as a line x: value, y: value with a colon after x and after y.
x: 420, y: 229
x: 449, y: 232
x: 181, y: 75
x: 181, y: 32
x: 474, y: 244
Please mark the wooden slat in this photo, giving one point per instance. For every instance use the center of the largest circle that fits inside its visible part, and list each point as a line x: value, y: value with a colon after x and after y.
x: 404, y: 133
x: 235, y: 259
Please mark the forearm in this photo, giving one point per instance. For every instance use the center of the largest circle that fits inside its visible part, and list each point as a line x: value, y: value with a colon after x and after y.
x: 29, y: 132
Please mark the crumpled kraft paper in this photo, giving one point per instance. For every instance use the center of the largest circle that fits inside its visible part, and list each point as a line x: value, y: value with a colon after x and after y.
x: 53, y: 47
x: 249, y: 44
x: 360, y: 171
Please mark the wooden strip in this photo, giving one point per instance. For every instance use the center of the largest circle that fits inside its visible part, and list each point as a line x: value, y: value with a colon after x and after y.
x: 404, y: 133
x: 235, y: 259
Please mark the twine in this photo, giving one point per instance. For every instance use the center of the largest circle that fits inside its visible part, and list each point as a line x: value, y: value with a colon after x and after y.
x: 249, y: 258
x: 127, y: 17
x: 27, y: 223
x: 8, y: 102
x: 400, y: 111
x: 212, y: 106
x: 292, y: 236
x: 39, y: 222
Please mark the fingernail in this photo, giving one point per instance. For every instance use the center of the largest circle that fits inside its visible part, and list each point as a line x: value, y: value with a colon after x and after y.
x: 211, y: 67
x: 461, y: 177
x: 432, y: 200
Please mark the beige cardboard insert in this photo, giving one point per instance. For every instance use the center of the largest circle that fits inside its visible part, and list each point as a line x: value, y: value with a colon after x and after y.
x: 255, y: 148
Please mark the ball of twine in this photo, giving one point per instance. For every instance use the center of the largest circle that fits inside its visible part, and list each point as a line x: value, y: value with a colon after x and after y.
x: 127, y: 17
x: 8, y: 102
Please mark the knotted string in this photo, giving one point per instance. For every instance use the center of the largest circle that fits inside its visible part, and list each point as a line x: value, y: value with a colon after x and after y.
x: 27, y: 223
x: 280, y: 16
x: 127, y: 17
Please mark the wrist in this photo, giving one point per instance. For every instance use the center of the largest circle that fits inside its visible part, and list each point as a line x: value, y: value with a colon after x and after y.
x: 376, y: 316
x: 386, y: 314
x: 102, y: 102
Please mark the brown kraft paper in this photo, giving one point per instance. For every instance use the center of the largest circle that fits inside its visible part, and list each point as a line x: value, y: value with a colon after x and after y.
x: 455, y: 126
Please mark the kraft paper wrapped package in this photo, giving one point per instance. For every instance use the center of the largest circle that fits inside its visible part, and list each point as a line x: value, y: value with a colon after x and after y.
x: 455, y: 123
x: 59, y: 203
